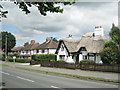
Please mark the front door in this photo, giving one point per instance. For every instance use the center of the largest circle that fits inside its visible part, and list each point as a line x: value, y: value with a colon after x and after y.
x: 77, y: 58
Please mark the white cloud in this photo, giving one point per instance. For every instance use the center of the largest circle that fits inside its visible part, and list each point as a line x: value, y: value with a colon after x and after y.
x: 76, y: 19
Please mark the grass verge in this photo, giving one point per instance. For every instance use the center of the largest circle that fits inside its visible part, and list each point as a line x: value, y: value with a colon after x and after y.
x: 71, y: 75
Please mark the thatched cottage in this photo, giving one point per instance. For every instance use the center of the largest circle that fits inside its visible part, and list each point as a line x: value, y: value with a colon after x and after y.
x: 74, y: 50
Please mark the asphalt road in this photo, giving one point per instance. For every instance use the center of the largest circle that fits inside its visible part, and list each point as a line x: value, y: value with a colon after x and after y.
x: 16, y: 78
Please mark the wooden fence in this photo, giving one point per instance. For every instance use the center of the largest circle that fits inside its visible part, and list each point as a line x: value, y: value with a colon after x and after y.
x: 82, y: 66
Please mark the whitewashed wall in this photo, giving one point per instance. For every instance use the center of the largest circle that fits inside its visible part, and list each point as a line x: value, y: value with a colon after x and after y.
x: 98, y: 59
x: 80, y: 57
x: 64, y: 52
x: 52, y: 51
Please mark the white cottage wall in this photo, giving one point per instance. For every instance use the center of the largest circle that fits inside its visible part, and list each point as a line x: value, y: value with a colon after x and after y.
x: 52, y: 51
x: 64, y: 52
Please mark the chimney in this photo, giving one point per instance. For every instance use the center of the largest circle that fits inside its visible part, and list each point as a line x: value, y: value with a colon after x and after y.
x: 32, y: 41
x: 48, y: 39
x: 98, y: 31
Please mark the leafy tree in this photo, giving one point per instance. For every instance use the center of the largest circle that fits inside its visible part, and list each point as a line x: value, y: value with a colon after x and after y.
x: 111, y: 52
x: 115, y: 34
x: 54, y: 39
x: 11, y: 41
x: 43, y: 7
x: 27, y: 43
x: 108, y: 56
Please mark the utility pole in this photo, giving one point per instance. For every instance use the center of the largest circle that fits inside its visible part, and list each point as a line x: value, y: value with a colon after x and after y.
x: 6, y: 48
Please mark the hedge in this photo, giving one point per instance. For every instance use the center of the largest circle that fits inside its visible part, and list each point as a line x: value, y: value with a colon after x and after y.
x: 20, y: 60
x: 44, y: 57
x: 87, y: 61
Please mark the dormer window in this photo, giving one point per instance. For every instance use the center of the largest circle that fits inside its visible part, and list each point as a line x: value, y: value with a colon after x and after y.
x: 62, y: 48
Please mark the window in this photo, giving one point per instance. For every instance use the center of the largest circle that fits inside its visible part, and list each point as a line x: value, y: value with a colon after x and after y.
x: 37, y: 51
x: 43, y: 51
x: 62, y: 48
x: 27, y: 51
x: 23, y: 52
x: 84, y: 56
x: 62, y: 57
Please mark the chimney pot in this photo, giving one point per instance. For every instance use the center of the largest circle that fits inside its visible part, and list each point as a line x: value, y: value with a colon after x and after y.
x: 32, y: 41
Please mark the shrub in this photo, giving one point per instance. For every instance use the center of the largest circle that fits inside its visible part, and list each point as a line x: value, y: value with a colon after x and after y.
x: 44, y: 57
x: 87, y: 61
x: 61, y: 61
x: 20, y: 60
x: 3, y: 57
x: 109, y: 56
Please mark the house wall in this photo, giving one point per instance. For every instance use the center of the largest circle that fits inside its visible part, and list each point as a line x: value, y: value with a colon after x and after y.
x: 98, y: 59
x: 80, y: 57
x: 64, y: 52
x: 52, y: 51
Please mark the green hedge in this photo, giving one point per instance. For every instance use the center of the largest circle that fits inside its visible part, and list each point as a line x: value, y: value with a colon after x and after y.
x: 44, y: 57
x: 20, y: 60
x: 87, y: 61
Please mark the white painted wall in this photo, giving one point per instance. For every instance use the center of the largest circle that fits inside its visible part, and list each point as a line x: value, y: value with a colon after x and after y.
x: 70, y: 60
x: 80, y: 57
x: 52, y: 51
x: 98, y: 59
x: 64, y: 52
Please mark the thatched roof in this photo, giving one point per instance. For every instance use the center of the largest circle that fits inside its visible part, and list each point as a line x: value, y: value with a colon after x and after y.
x: 91, y: 43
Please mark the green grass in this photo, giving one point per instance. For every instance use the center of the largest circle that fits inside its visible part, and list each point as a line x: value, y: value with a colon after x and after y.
x: 71, y: 75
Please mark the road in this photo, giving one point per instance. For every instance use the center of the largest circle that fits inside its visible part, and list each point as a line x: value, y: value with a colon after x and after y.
x: 16, y: 78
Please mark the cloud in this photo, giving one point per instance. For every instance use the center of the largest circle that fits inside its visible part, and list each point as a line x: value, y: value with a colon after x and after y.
x: 76, y: 19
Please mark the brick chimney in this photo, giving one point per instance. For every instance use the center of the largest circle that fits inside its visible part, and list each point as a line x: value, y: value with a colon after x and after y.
x: 32, y: 41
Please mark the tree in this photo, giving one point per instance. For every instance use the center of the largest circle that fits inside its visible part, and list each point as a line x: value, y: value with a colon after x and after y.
x: 111, y: 52
x: 27, y: 43
x: 11, y: 41
x: 54, y: 39
x: 43, y: 7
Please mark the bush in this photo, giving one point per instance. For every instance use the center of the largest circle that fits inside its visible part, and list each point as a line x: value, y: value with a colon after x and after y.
x: 3, y: 57
x: 109, y: 56
x: 44, y: 57
x: 87, y: 61
x: 61, y: 61
x: 20, y: 60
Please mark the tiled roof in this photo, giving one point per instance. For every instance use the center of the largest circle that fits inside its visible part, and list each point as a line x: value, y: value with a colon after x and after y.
x: 48, y: 45
x: 17, y: 48
x: 31, y: 46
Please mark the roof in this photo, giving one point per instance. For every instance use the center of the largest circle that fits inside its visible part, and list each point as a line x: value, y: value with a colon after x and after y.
x: 70, y: 43
x: 31, y: 46
x: 17, y: 48
x: 91, y: 43
x: 50, y: 44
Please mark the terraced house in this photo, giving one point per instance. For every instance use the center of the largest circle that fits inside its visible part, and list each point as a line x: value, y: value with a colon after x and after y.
x: 87, y: 47
x: 47, y: 47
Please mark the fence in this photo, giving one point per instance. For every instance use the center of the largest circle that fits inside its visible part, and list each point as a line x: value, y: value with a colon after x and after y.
x: 100, y: 67
x: 82, y: 66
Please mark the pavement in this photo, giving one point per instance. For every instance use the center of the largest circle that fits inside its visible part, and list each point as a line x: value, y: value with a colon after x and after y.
x: 106, y: 75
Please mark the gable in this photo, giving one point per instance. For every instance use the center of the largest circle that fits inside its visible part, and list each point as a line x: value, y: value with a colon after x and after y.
x: 62, y: 48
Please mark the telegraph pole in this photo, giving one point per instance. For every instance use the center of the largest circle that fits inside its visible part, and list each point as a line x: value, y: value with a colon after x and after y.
x: 6, y: 48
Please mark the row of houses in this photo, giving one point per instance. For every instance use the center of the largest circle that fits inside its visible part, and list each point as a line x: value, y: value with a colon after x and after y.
x: 68, y: 49
x: 47, y: 47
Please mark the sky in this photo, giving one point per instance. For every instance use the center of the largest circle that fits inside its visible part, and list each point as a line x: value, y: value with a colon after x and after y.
x: 76, y: 19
